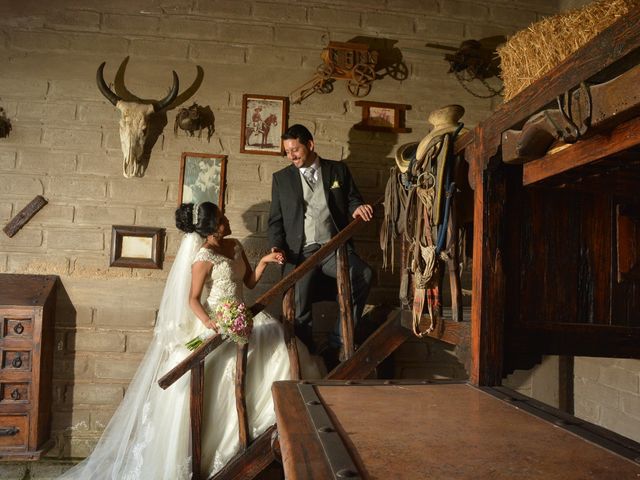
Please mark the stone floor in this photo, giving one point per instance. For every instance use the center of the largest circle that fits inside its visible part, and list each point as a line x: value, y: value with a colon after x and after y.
x: 42, y: 470
x: 50, y: 469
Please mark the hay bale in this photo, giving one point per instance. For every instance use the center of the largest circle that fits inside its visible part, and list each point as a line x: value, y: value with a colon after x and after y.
x: 531, y: 53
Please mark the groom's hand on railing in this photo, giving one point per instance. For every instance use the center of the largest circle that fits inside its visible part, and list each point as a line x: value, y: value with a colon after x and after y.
x: 365, y: 212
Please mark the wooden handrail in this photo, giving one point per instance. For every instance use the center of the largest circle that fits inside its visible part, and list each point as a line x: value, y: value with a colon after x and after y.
x: 265, y: 299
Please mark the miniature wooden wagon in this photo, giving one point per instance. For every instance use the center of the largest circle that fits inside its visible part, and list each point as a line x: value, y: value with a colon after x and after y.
x: 343, y: 61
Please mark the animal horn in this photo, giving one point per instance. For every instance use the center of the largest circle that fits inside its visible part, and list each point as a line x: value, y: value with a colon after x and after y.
x: 106, y: 91
x: 166, y: 101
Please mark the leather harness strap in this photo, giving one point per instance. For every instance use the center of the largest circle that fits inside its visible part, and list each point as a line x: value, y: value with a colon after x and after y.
x: 417, y: 208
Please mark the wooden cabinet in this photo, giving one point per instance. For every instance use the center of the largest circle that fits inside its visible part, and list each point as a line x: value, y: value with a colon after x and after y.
x: 27, y: 306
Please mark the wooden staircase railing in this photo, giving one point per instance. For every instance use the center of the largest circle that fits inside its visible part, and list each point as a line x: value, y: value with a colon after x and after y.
x: 194, y: 362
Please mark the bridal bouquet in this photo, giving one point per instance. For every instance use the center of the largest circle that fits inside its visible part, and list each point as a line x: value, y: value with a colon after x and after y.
x: 234, y: 321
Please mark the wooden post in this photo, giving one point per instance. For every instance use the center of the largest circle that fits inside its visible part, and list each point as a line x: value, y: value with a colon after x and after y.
x: 344, y: 299
x: 488, y: 301
x: 453, y: 265
x: 289, y: 317
x: 196, y: 405
x: 241, y: 403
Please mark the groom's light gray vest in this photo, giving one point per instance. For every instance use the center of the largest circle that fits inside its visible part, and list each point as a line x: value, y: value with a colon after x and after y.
x: 318, y: 225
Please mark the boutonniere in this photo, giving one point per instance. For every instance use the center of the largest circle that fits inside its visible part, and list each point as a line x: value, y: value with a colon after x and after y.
x: 335, y: 184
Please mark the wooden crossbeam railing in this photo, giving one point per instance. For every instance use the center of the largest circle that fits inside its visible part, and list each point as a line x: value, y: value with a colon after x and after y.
x: 194, y: 362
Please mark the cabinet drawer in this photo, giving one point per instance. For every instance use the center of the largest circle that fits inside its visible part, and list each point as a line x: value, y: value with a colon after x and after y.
x: 14, y: 392
x: 14, y: 360
x: 14, y: 431
x: 17, y: 327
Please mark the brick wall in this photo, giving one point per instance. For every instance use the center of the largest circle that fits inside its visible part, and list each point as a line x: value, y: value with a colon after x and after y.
x: 65, y: 146
x: 607, y: 393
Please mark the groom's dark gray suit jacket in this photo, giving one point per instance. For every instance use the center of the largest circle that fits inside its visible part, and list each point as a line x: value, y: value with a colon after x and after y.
x: 286, y: 218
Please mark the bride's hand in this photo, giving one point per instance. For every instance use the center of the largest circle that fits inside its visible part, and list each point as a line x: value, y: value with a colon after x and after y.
x: 212, y: 325
x: 274, y: 257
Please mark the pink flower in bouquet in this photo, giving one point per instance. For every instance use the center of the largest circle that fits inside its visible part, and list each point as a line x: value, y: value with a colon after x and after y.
x: 234, y: 320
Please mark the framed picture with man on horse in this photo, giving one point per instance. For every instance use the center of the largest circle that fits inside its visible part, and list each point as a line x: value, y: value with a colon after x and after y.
x: 264, y: 120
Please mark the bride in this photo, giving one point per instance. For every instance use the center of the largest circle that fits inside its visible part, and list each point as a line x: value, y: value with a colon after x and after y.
x: 148, y: 436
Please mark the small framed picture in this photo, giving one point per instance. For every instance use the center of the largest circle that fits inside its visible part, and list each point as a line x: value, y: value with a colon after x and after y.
x: 136, y: 247
x: 382, y: 117
x: 202, y: 178
x: 264, y: 120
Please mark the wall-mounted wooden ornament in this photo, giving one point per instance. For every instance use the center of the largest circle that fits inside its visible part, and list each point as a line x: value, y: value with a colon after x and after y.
x: 24, y: 215
x: 382, y: 117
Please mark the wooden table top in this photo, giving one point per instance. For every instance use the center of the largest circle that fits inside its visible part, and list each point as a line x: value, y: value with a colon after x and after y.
x: 436, y: 431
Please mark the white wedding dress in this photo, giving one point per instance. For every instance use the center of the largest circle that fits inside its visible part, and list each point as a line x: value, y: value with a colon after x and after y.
x: 148, y: 436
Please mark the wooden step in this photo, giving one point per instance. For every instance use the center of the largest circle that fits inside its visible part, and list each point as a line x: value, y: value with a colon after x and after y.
x: 248, y: 464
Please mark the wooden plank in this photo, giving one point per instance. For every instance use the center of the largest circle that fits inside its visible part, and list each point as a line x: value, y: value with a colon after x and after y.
x: 380, y: 344
x: 345, y: 302
x: 594, y: 149
x: 196, y: 411
x: 248, y: 464
x: 302, y: 454
x: 463, y: 141
x: 488, y: 304
x: 241, y: 403
x: 573, y: 263
x: 608, y: 47
x: 24, y: 215
x: 192, y: 359
x: 460, y: 418
x: 289, y: 316
x: 575, y: 339
x: 610, y: 102
x: 628, y: 242
x: 452, y: 332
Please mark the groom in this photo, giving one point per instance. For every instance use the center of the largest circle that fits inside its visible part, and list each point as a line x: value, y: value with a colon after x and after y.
x: 311, y: 200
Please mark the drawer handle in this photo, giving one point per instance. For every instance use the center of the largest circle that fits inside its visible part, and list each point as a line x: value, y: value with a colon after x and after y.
x: 16, y: 362
x: 15, y: 394
x: 8, y: 431
x: 19, y: 328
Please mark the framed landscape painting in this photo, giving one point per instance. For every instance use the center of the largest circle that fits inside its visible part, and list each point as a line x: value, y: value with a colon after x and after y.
x: 264, y: 120
x: 202, y: 178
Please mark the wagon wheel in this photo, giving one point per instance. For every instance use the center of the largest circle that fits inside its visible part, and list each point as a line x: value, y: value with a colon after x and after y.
x: 324, y: 71
x: 363, y: 73
x: 398, y: 71
x: 360, y: 85
x: 358, y: 89
x: 326, y: 86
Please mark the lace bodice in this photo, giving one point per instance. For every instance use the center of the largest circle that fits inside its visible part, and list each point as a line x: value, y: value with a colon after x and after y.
x: 226, y: 274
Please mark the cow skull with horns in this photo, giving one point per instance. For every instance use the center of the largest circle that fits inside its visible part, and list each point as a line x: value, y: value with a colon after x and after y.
x: 134, y: 123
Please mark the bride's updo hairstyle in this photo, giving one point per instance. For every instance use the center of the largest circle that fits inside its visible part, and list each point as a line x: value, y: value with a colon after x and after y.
x: 203, y: 222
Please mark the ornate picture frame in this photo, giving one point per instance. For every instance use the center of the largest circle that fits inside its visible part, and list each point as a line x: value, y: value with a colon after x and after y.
x: 382, y: 117
x: 202, y: 178
x: 264, y: 120
x: 136, y: 247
